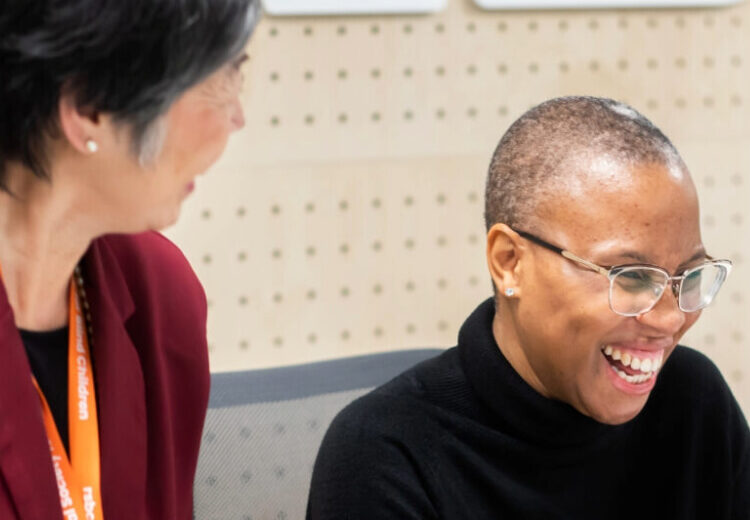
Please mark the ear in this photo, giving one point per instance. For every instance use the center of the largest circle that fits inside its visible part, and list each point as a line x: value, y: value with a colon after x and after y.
x: 78, y: 125
x: 504, y: 253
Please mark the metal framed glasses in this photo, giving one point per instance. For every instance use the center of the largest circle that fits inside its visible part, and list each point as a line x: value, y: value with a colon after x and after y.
x: 635, y: 289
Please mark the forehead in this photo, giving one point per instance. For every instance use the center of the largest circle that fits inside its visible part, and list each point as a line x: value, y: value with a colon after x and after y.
x: 652, y: 209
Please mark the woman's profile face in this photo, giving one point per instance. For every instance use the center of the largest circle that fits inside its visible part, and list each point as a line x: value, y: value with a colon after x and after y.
x: 564, y: 319
x: 196, y: 130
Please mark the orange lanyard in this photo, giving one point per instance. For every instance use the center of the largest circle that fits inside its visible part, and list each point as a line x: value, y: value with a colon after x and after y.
x: 78, y: 477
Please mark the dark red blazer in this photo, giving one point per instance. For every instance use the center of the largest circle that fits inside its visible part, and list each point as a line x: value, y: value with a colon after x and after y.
x: 152, y: 382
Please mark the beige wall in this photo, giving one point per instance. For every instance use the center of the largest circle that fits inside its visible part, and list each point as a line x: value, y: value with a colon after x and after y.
x: 347, y: 217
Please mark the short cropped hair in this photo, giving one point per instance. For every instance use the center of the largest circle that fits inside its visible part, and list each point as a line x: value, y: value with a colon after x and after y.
x: 546, y: 144
x: 131, y: 59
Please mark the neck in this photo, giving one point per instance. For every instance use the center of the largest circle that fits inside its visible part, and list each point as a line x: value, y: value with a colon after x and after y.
x: 504, y: 329
x: 43, y: 235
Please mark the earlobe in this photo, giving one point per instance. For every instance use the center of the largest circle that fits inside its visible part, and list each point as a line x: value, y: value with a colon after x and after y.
x: 78, y: 127
x: 503, y: 259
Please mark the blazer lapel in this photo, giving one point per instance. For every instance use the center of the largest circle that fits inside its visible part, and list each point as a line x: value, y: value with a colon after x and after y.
x: 120, y: 388
x: 25, y: 460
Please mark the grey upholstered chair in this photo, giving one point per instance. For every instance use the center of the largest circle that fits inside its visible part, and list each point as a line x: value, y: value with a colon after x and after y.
x: 264, y: 428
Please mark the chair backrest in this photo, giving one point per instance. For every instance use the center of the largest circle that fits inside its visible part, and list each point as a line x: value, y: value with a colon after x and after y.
x: 264, y: 428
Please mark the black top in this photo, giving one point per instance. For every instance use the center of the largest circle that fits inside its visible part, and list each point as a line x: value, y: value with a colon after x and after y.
x: 462, y: 436
x: 48, y: 356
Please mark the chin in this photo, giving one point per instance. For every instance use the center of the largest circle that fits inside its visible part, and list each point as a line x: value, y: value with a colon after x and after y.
x: 619, y: 414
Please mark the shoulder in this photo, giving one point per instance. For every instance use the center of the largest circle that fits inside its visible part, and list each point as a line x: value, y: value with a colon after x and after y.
x: 152, y: 265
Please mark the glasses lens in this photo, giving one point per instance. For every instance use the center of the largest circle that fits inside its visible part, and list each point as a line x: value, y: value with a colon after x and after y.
x: 634, y: 290
x: 700, y: 286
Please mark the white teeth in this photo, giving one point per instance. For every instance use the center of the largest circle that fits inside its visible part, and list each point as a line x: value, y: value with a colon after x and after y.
x: 616, y: 355
x: 645, y: 365
x: 608, y: 350
x: 626, y: 358
x: 635, y: 364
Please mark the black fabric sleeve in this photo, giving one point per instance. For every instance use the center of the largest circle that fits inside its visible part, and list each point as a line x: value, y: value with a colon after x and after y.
x: 364, y: 471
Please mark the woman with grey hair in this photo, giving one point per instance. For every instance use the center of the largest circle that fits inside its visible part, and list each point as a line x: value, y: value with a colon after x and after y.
x: 109, y: 110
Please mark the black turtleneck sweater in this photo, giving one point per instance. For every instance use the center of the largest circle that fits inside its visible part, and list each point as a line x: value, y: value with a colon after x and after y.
x: 462, y: 436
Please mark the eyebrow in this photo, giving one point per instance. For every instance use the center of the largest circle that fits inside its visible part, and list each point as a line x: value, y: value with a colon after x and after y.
x: 640, y: 258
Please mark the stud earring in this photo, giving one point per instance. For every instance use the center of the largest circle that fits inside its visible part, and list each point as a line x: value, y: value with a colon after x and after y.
x: 91, y: 146
x: 509, y: 292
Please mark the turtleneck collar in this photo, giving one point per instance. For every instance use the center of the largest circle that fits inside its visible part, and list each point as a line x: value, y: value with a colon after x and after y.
x: 516, y: 405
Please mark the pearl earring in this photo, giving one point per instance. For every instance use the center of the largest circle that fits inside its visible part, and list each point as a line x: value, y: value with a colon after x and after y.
x: 509, y: 292
x: 91, y: 146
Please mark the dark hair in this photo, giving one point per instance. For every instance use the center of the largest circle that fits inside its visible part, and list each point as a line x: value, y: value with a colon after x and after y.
x: 543, y: 145
x: 131, y: 59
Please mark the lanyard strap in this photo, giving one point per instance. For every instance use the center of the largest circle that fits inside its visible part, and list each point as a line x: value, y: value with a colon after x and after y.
x: 78, y: 477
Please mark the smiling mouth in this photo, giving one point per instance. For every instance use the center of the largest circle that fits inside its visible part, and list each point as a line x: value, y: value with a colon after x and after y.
x: 633, y: 369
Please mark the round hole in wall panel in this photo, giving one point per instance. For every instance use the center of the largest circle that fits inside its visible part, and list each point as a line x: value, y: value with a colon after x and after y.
x: 442, y: 283
x: 378, y: 332
x: 241, y: 211
x: 442, y: 325
x: 736, y: 179
x: 309, y: 75
x: 736, y: 21
x: 274, y: 77
x: 410, y: 286
x: 375, y: 117
x: 622, y: 64
x: 244, y: 344
x: 209, y: 303
x: 273, y: 31
x: 408, y: 115
x: 652, y: 104
x: 408, y: 29
x: 278, y: 342
x: 342, y: 74
x: 473, y: 281
x: 708, y: 62
x: 440, y: 70
x: 377, y: 289
x: 439, y: 28
x: 344, y: 249
x: 709, y: 221
x: 309, y: 119
x: 564, y: 67
x: 708, y: 21
x: 502, y: 69
x: 311, y: 294
x: 737, y: 297
x: 341, y: 30
x: 307, y: 31
x: 709, y: 339
x: 471, y: 70
x: 736, y: 61
x: 440, y: 113
x: 207, y: 259
x: 473, y: 197
x: 471, y: 112
x: 680, y: 22
x: 206, y: 214
x: 737, y: 257
x: 502, y: 111
x: 533, y: 68
x: 680, y: 62
x: 594, y: 66
x: 312, y: 338
x: 376, y: 203
x: 708, y: 102
x: 408, y: 201
x: 622, y: 23
x: 533, y: 25
x: 735, y: 100
x: 709, y: 181
x: 737, y: 336
x: 344, y: 292
x: 345, y: 335
x: 441, y: 199
x: 310, y: 207
x: 471, y: 27
x: 652, y: 63
x: 593, y: 24
x: 343, y: 118
x: 502, y: 26
x: 278, y: 297
x: 473, y: 239
x: 409, y: 243
x: 276, y: 254
x: 737, y: 375
x: 310, y: 251
x: 275, y: 209
x: 408, y: 72
x: 242, y: 300
x: 377, y: 246
x: 441, y: 241
x: 242, y: 256
x: 374, y: 29
x: 375, y: 73
x: 737, y: 219
x: 411, y: 328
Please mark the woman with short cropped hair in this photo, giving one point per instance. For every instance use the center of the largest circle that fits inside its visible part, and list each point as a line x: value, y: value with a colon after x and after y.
x: 109, y: 110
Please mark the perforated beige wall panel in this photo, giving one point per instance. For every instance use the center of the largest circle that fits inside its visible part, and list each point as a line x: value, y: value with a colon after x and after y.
x: 347, y: 217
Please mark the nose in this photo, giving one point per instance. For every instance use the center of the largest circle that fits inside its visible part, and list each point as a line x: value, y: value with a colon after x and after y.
x: 666, y: 316
x: 237, y: 116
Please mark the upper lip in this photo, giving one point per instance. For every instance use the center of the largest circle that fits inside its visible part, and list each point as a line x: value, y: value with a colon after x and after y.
x: 643, y: 344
